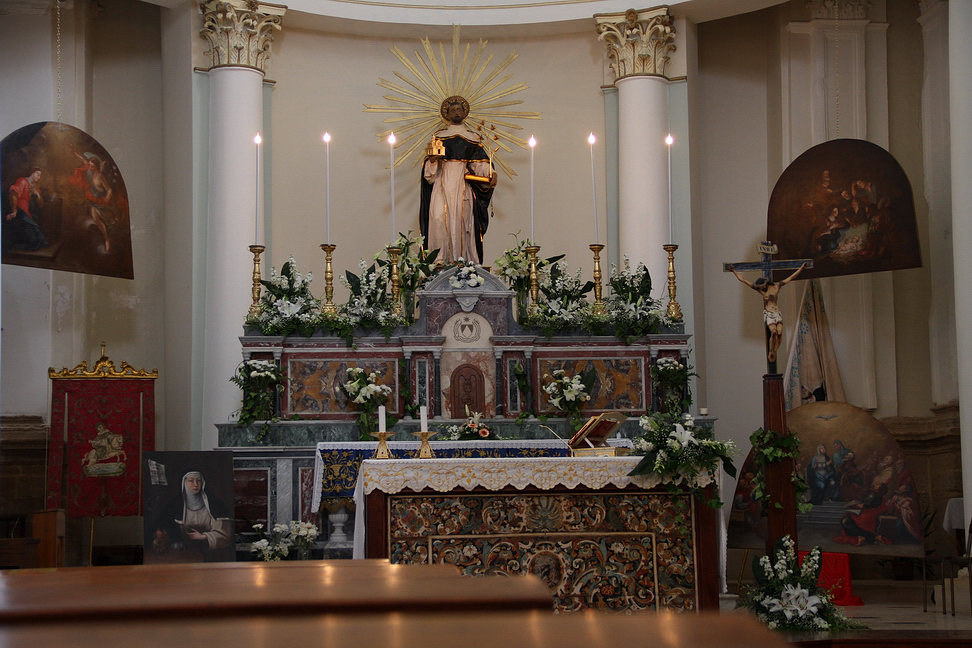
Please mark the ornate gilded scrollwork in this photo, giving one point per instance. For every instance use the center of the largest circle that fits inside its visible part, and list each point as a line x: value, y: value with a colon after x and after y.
x: 104, y: 368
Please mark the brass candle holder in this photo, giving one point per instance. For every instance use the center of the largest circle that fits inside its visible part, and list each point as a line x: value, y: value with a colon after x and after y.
x: 674, y: 310
x: 598, y: 308
x: 382, y: 451
x: 393, y: 253
x: 531, y: 251
x: 328, y: 306
x: 425, y: 450
x: 255, y: 309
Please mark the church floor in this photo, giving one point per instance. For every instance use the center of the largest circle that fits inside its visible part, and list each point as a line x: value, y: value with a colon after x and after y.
x: 894, y: 605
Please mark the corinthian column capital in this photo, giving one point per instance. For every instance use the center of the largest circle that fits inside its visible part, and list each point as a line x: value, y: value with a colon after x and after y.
x: 838, y: 9
x: 638, y: 42
x: 240, y: 32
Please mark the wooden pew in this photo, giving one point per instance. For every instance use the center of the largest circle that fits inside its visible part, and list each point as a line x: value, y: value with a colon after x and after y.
x: 235, y: 589
x: 519, y: 629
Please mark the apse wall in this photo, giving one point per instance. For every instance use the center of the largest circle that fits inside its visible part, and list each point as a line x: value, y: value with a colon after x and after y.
x: 322, y: 81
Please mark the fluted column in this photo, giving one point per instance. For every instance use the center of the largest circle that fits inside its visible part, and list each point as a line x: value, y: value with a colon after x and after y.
x: 638, y: 47
x: 240, y: 35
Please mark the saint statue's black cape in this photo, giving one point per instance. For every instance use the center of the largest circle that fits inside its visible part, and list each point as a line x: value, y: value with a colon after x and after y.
x: 459, y: 148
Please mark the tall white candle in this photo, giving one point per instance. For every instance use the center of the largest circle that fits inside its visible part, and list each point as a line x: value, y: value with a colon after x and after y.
x: 533, y: 235
x: 327, y: 183
x: 591, y: 141
x: 256, y: 211
x: 424, y: 414
x: 391, y: 152
x: 381, y: 418
x: 671, y: 223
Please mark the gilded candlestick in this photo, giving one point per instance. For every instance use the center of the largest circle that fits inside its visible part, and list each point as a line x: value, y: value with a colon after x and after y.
x: 255, y: 309
x: 674, y: 310
x: 328, y: 305
x: 531, y: 251
x: 425, y: 450
x: 393, y: 254
x: 599, y: 307
x: 382, y: 451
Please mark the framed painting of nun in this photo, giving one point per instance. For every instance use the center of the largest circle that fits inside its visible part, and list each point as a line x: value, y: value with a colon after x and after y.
x: 188, y: 507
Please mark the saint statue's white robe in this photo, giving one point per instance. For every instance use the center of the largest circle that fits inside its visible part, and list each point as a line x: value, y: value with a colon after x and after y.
x: 451, y: 226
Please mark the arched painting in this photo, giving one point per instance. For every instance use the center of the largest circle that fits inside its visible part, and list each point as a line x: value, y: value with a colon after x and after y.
x: 64, y: 202
x: 846, y: 204
x: 864, y: 494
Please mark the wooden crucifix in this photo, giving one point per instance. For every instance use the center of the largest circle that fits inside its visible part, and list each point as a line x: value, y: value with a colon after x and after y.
x: 781, y: 520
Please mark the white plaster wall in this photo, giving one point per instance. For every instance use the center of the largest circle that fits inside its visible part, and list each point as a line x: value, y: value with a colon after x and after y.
x: 564, y: 75
x: 27, y: 79
x: 735, y: 176
x: 109, y: 88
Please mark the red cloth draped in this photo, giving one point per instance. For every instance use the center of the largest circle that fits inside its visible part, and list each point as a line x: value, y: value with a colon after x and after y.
x: 835, y: 576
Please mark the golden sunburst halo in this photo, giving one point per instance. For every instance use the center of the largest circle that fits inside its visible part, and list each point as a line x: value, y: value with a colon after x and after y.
x: 431, y: 79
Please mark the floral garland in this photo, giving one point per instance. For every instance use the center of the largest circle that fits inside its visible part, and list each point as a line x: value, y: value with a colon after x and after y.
x: 679, y: 452
x: 367, y: 393
x: 467, y: 275
x: 671, y: 381
x: 786, y: 596
x: 274, y: 546
x: 287, y: 305
x: 260, y: 381
x: 770, y: 447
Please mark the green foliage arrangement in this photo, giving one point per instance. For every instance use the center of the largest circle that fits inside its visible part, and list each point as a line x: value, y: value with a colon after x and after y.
x: 681, y: 453
x: 261, y: 381
x: 770, y: 447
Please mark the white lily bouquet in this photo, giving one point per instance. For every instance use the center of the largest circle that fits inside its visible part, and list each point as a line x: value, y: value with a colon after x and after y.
x: 786, y: 595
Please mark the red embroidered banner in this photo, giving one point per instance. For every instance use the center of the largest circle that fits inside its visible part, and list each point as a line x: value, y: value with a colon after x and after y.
x: 99, y: 429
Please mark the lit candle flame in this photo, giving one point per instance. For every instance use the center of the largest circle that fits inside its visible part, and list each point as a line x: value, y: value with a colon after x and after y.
x: 591, y: 139
x: 326, y: 137
x: 391, y: 139
x: 532, y: 142
x: 257, y: 139
x: 669, y: 140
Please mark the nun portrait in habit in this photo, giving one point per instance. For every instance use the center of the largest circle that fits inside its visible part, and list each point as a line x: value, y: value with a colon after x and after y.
x: 196, y: 525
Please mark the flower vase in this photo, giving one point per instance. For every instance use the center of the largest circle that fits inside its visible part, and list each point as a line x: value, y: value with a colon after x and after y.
x: 522, y: 304
x: 408, y: 306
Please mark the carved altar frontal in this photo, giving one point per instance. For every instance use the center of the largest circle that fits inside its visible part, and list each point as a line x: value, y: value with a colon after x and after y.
x: 617, y: 551
x: 599, y: 537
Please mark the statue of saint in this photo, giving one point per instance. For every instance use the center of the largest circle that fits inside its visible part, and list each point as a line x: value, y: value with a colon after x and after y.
x: 772, y: 317
x: 457, y: 185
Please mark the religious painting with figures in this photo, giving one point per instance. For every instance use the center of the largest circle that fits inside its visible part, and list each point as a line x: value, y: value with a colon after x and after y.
x: 863, y: 493
x: 189, y: 513
x: 64, y: 202
x: 847, y: 205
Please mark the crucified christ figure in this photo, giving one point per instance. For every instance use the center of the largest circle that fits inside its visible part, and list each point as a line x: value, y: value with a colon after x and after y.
x: 771, y: 310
